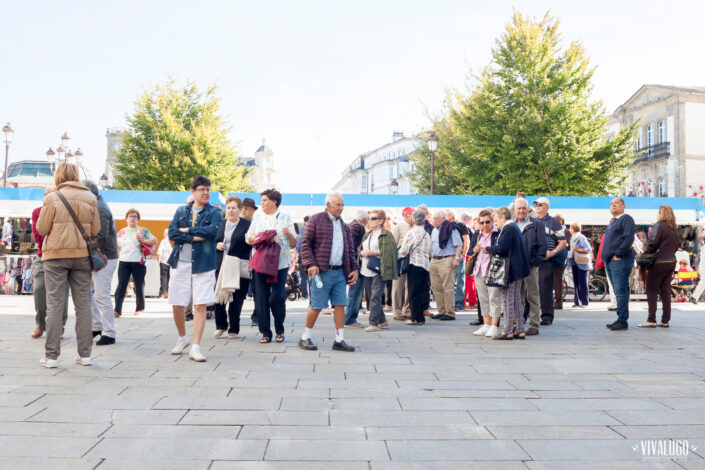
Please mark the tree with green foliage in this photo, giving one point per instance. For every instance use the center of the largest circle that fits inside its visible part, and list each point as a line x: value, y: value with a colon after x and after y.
x: 528, y: 124
x: 174, y: 134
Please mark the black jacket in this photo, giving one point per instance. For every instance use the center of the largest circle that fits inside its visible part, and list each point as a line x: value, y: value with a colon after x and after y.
x: 534, y: 235
x: 238, y: 246
x: 476, y: 236
x: 510, y: 244
x: 107, y: 237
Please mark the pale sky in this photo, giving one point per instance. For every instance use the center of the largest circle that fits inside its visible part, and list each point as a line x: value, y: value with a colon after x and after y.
x: 322, y: 81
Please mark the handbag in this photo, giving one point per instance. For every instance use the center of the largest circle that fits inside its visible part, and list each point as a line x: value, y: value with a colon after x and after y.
x: 498, y: 275
x: 403, y: 263
x: 374, y: 263
x: 580, y: 258
x: 98, y: 259
x: 470, y: 265
x: 245, y: 269
x: 646, y: 259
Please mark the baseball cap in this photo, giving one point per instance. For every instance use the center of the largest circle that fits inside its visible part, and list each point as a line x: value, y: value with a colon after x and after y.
x: 407, y: 210
x: 542, y: 200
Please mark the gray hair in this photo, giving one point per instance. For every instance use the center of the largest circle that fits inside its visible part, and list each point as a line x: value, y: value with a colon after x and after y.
x: 361, y: 216
x: 521, y: 200
x: 440, y: 212
x: 91, y: 186
x: 419, y: 217
x: 465, y: 217
x: 450, y: 212
x: 331, y: 196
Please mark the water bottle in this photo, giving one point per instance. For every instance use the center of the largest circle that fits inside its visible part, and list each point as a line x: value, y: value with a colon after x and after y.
x: 317, y: 280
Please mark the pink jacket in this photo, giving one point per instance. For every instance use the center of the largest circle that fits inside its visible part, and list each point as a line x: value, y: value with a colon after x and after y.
x: 266, y: 257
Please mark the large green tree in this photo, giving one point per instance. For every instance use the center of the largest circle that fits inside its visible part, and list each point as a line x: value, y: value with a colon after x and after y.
x: 173, y: 134
x: 528, y: 123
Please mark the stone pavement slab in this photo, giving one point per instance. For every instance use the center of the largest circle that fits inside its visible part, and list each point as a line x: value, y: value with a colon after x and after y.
x: 576, y: 396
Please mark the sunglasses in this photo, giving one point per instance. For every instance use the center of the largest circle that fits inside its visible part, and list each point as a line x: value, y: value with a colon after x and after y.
x: 485, y: 222
x: 375, y: 218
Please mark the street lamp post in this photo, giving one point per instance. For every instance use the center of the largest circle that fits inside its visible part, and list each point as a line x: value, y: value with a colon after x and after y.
x: 103, y: 181
x: 394, y: 185
x: 7, y: 130
x: 51, y: 157
x: 432, y: 146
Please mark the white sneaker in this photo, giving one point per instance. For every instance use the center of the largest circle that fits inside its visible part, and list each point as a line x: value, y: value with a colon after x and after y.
x: 180, y: 346
x: 83, y: 361
x: 492, y: 332
x: 196, y: 355
x: 218, y: 333
x: 482, y: 330
x: 48, y: 363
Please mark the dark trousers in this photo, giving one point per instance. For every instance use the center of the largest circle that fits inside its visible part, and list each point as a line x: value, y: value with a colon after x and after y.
x: 546, y: 289
x: 270, y: 297
x: 163, y: 278
x: 375, y: 284
x: 580, y: 283
x: 417, y: 287
x: 388, y: 292
x: 138, y: 271
x: 234, y: 308
x: 619, y: 272
x: 658, y: 282
x: 304, y: 281
x: 558, y: 285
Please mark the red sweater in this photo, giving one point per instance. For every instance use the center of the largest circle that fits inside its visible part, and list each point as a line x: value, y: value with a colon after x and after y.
x: 37, y: 237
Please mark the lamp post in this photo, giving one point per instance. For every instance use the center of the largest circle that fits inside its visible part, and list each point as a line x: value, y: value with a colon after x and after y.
x: 7, y: 130
x: 394, y: 185
x: 432, y: 146
x: 103, y: 181
x: 51, y: 158
x: 64, y: 154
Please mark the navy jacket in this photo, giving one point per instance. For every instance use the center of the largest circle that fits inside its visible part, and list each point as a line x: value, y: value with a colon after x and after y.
x: 207, y: 226
x: 619, y: 238
x: 511, y: 244
x: 476, y: 236
x: 534, y: 235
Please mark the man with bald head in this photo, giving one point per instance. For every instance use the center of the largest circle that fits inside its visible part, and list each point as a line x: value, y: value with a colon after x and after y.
x: 618, y: 257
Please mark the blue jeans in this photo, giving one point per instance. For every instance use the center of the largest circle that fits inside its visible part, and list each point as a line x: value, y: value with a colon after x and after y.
x: 354, y: 301
x: 460, y: 287
x: 333, y: 290
x: 619, y: 272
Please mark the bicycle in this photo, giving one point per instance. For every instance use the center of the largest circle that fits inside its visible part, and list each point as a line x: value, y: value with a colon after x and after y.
x: 597, y: 286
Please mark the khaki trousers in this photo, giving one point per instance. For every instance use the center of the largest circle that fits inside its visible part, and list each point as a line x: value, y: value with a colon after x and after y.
x: 400, y: 297
x: 443, y: 285
x: 530, y: 293
x: 75, y: 272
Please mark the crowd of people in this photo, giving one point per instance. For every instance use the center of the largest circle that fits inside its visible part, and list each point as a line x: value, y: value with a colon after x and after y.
x: 505, y: 262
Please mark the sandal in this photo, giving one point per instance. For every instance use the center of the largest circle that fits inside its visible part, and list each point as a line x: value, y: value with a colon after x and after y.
x: 648, y: 324
x: 279, y: 338
x: 265, y: 339
x: 519, y: 336
x: 663, y: 325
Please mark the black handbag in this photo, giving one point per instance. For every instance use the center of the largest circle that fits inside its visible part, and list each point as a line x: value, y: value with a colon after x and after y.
x: 403, y: 263
x: 498, y: 275
x: 374, y: 263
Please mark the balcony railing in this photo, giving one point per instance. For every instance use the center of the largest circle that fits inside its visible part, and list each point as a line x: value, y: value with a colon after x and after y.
x: 653, y: 152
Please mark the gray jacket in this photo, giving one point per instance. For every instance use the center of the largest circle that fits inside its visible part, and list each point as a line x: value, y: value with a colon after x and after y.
x: 107, y: 238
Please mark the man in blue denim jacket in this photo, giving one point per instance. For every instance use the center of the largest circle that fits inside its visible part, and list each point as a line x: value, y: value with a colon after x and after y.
x: 193, y: 260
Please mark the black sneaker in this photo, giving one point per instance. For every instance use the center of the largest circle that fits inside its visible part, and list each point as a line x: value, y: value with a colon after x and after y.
x: 97, y: 333
x: 618, y: 326
x: 546, y: 322
x: 446, y: 318
x: 189, y: 317
x: 342, y: 346
x: 104, y: 340
x: 209, y: 316
x: 308, y: 345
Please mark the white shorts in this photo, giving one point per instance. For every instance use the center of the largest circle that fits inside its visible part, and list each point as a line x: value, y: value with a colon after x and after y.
x: 182, y: 284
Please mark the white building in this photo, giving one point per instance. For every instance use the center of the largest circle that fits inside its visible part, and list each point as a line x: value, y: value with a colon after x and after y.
x: 37, y: 174
x: 671, y: 143
x: 263, y: 175
x: 374, y: 171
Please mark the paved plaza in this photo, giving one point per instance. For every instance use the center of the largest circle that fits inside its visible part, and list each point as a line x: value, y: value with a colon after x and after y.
x: 414, y: 397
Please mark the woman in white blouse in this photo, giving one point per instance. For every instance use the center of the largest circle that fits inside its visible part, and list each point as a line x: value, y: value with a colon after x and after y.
x: 417, y: 243
x: 272, y: 297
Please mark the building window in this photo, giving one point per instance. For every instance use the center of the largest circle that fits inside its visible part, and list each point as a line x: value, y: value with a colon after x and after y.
x: 372, y: 183
x: 363, y: 186
x: 639, y: 145
x: 391, y: 173
x: 662, y: 132
x: 650, y: 135
x: 662, y: 187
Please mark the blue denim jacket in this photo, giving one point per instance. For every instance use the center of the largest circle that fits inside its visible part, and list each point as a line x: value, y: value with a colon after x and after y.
x: 207, y: 226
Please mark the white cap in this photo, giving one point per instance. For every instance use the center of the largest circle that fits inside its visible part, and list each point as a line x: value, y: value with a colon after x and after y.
x: 542, y: 200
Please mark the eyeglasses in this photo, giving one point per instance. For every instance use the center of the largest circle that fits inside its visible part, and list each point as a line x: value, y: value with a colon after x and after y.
x: 485, y: 222
x: 202, y: 190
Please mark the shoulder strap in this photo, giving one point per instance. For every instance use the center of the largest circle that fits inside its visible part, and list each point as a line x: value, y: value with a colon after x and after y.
x: 73, y: 216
